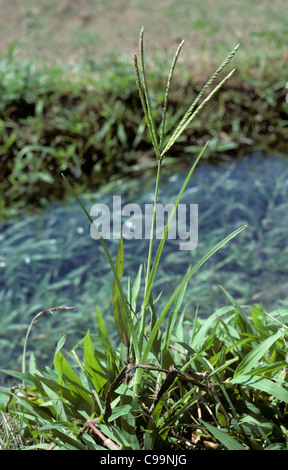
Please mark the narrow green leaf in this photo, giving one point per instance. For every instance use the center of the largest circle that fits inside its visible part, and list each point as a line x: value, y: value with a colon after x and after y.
x: 92, y: 365
x: 200, y: 337
x: 120, y: 317
x: 68, y: 376
x: 60, y: 344
x: 172, y: 319
x: 262, y: 384
x: 122, y: 410
x: 268, y: 368
x: 229, y: 442
x: 254, y: 356
x: 101, y: 323
x: 67, y: 440
x: 257, y: 317
x: 223, y: 366
x: 136, y: 289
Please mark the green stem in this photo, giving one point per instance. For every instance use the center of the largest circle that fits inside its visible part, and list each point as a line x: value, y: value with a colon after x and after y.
x: 149, y: 261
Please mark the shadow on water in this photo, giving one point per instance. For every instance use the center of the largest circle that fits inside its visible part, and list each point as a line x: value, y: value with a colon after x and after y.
x: 50, y: 259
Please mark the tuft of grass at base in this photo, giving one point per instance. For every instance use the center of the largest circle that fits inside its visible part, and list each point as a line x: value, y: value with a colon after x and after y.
x: 216, y: 399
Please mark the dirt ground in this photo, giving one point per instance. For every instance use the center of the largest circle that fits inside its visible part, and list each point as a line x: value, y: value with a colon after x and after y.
x: 70, y: 31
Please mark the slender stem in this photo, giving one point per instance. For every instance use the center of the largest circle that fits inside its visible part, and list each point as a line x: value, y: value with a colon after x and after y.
x: 106, y: 441
x: 35, y: 319
x: 153, y: 223
x: 149, y: 260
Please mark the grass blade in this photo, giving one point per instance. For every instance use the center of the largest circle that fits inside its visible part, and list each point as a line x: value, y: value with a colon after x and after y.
x: 120, y: 319
x: 136, y: 289
x: 256, y: 354
x: 92, y: 365
x: 229, y: 442
x: 180, y: 286
x: 262, y: 384
x: 116, y: 277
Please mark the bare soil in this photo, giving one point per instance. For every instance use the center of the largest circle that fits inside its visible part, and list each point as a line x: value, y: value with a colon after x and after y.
x: 70, y: 31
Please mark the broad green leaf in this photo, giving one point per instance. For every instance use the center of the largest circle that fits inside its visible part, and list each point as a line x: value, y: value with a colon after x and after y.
x: 101, y: 323
x: 135, y: 289
x: 92, y: 365
x: 262, y: 384
x: 229, y: 442
x: 68, y: 376
x: 122, y: 410
x: 119, y: 310
x: 256, y: 354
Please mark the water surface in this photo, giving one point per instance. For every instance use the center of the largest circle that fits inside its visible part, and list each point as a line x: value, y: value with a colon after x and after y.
x: 50, y: 259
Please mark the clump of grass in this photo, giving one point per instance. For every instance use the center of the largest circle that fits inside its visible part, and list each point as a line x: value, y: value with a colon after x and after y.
x: 174, y: 382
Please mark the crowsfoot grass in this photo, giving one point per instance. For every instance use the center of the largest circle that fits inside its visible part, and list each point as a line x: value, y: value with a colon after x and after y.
x: 187, y: 388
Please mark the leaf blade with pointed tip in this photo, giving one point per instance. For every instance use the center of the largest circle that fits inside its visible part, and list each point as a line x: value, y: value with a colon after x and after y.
x: 181, y: 285
x: 229, y: 442
x: 119, y: 311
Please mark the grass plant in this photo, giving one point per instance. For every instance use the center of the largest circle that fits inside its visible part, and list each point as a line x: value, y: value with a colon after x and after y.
x: 84, y: 123
x: 174, y: 382
x: 46, y: 257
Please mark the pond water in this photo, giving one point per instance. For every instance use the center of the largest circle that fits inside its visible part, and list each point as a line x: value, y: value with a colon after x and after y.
x: 50, y: 259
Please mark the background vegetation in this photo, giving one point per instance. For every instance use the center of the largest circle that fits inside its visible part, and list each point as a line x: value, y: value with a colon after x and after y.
x: 69, y: 100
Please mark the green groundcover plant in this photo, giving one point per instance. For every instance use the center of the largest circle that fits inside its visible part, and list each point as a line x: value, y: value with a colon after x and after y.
x: 172, y: 382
